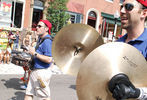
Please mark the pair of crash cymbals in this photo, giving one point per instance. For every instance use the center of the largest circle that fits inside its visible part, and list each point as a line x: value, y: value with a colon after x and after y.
x: 103, y: 63
x: 72, y: 44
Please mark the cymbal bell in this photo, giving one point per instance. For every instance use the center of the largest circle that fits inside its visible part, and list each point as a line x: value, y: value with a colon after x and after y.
x: 72, y: 44
x: 103, y: 63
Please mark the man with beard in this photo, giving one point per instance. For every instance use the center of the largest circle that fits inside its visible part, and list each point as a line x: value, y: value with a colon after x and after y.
x: 133, y: 15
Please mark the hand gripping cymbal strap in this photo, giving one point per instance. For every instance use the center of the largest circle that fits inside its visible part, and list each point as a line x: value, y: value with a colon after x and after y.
x: 117, y: 79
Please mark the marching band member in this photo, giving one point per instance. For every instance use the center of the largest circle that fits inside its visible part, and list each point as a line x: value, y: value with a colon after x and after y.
x: 133, y: 16
x: 39, y: 80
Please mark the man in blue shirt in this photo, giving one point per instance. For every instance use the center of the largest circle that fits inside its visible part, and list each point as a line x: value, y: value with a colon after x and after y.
x: 39, y: 80
x: 140, y: 43
x: 133, y: 15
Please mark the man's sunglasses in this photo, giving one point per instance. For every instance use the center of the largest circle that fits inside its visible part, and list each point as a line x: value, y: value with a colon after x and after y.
x: 39, y: 26
x: 128, y: 6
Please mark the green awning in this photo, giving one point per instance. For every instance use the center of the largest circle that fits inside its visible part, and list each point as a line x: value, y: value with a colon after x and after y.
x: 110, y: 18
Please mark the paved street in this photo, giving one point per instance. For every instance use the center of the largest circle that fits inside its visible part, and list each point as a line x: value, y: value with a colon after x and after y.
x: 62, y: 86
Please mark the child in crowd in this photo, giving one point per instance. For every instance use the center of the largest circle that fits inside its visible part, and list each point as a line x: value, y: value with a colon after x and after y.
x: 1, y: 56
x: 25, y: 78
x: 7, y: 54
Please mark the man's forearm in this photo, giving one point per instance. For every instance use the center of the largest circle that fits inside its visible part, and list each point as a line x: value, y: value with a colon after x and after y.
x: 44, y: 58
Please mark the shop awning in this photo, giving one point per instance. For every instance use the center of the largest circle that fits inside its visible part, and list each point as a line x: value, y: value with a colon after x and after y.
x: 75, y: 7
x: 110, y: 18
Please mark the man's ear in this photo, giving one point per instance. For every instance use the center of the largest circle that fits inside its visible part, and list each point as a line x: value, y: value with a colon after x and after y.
x: 46, y: 29
x: 144, y: 13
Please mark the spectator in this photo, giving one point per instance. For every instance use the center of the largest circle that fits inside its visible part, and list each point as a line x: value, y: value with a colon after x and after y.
x: 16, y: 41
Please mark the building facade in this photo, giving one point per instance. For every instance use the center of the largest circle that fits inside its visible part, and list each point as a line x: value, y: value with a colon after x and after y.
x: 103, y: 15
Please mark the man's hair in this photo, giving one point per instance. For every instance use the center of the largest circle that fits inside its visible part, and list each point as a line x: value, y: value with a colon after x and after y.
x: 143, y: 7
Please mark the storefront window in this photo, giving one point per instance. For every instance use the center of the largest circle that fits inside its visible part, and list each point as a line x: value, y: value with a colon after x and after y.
x: 16, y: 16
x: 108, y: 30
x: 11, y: 13
x: 92, y: 19
x: 75, y: 17
x: 37, y: 13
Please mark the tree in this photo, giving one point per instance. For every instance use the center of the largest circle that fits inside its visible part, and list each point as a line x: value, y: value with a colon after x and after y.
x: 57, y: 15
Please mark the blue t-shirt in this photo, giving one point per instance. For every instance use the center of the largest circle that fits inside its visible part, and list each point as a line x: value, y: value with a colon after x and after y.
x: 140, y: 43
x: 17, y: 39
x: 44, y: 48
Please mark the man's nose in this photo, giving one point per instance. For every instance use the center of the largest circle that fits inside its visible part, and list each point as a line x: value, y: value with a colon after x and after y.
x: 122, y: 10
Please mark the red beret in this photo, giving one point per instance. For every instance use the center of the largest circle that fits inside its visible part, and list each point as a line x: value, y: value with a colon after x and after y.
x: 143, y: 2
x: 48, y: 24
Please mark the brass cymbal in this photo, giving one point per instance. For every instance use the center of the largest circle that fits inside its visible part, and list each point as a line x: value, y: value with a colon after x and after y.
x: 103, y: 63
x: 72, y: 44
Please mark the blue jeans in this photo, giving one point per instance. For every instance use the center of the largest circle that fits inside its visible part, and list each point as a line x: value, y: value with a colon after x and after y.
x: 15, y: 46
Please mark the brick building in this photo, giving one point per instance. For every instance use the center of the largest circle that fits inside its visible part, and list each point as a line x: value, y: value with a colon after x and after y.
x: 23, y: 14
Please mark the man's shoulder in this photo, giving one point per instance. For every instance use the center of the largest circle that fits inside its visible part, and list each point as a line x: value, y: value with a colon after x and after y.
x: 122, y: 39
x: 46, y: 41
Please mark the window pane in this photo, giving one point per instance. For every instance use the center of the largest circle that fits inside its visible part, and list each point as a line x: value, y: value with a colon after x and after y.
x: 73, y: 18
x: 92, y: 14
x: 16, y: 17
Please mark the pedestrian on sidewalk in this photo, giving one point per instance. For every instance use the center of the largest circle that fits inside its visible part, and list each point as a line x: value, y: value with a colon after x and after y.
x: 16, y: 41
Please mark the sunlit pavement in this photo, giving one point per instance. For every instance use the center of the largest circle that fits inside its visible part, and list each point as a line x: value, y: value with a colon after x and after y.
x: 11, y: 69
x: 62, y: 86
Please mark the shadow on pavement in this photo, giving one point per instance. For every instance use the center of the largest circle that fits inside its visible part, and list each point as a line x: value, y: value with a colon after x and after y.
x: 73, y: 87
x: 14, y: 83
x: 12, y: 87
x: 18, y: 96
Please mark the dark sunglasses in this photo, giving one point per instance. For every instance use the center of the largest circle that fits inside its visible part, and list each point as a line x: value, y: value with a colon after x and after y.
x: 39, y: 26
x: 128, y: 6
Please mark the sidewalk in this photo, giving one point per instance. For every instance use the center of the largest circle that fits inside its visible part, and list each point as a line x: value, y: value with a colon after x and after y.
x: 11, y: 69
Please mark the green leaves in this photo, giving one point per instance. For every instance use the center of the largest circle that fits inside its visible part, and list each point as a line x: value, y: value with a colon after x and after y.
x: 56, y: 14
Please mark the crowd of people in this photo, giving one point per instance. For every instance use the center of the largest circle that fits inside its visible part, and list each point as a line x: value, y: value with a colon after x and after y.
x: 15, y: 41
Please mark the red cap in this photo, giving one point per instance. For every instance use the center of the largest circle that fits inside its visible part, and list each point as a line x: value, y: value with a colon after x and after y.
x: 48, y: 24
x: 143, y: 2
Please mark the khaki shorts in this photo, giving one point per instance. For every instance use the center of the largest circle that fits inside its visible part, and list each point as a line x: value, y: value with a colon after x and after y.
x: 34, y: 87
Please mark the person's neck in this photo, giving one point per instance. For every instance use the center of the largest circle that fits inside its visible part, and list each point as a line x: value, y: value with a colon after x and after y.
x: 134, y: 32
x: 43, y: 35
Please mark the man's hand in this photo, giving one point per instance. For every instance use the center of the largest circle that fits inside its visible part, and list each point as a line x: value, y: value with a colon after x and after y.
x: 32, y: 50
x: 121, y: 88
x: 122, y: 91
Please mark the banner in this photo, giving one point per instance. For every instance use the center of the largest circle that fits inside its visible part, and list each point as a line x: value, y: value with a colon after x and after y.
x: 3, y: 39
x: 5, y: 13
